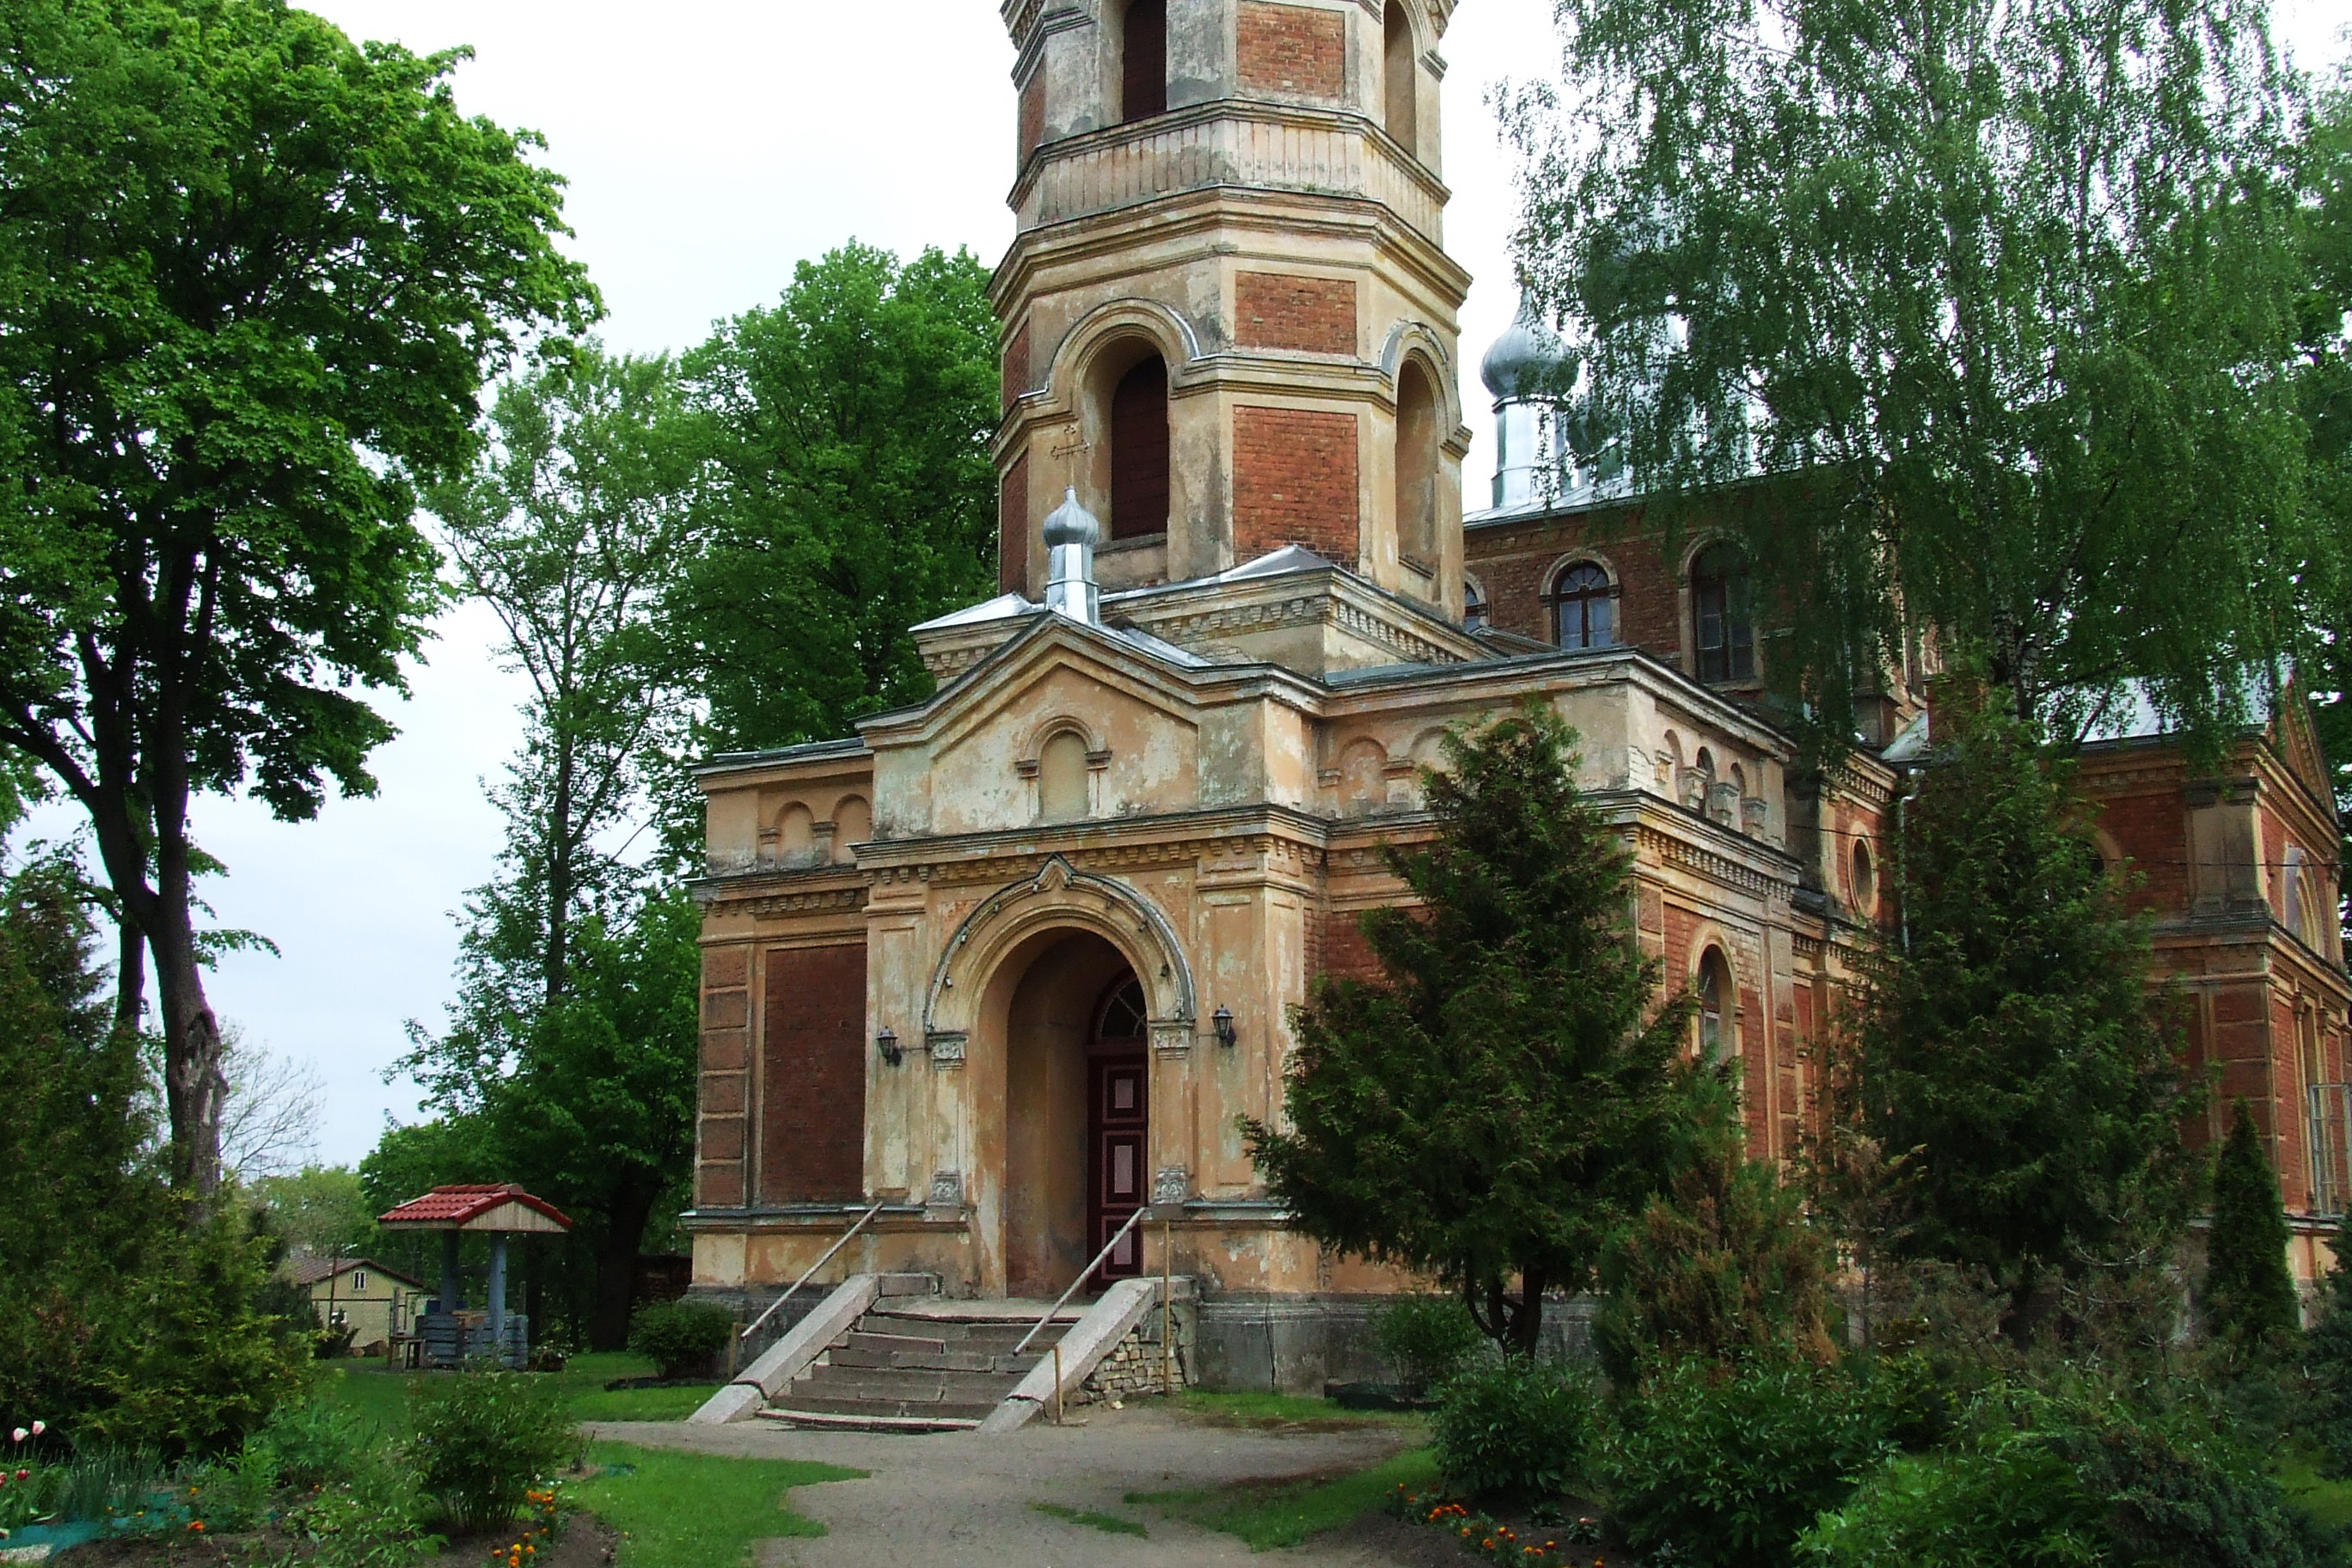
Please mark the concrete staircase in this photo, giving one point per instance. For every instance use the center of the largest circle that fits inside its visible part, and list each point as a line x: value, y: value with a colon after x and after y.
x: 917, y: 1363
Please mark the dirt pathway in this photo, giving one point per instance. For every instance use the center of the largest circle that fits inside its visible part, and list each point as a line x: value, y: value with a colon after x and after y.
x: 963, y: 1501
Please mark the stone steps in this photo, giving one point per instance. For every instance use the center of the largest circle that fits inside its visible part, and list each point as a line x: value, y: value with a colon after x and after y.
x: 915, y: 1366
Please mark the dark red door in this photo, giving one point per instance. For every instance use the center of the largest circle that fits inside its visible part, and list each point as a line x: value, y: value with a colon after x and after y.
x: 1118, y: 1118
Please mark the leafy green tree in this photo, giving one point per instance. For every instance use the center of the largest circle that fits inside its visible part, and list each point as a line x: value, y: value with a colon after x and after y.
x: 1722, y: 1265
x: 2009, y: 1039
x: 322, y: 1211
x: 1988, y: 310
x: 1505, y: 1097
x: 857, y: 494
x: 2325, y: 230
x: 573, y: 528
x: 2249, y: 1294
x: 251, y: 276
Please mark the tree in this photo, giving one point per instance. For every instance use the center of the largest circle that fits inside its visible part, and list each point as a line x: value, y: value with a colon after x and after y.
x: 251, y: 277
x: 1721, y: 1265
x: 2249, y: 1294
x: 1505, y: 1097
x: 2327, y: 1352
x: 270, y: 1111
x: 120, y: 1323
x: 573, y: 529
x: 1975, y: 321
x: 857, y: 496
x: 2326, y: 231
x: 2009, y: 1041
x: 323, y: 1211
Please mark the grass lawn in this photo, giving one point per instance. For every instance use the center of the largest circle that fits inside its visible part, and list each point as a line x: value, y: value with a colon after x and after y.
x: 1268, y: 1515
x: 1273, y: 1412
x: 369, y: 1391
x: 695, y: 1510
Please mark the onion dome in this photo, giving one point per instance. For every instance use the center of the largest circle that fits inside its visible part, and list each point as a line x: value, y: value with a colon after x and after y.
x: 1529, y: 345
x: 1072, y: 523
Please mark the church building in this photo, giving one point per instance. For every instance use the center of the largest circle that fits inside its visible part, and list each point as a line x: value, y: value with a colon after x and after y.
x: 1008, y: 966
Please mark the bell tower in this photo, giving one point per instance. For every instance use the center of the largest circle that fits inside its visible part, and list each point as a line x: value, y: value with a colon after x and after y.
x: 1229, y: 319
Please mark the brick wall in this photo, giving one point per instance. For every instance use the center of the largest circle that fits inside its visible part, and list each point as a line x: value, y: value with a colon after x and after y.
x: 1032, y: 113
x: 1281, y: 311
x: 813, y: 1117
x: 1294, y: 482
x: 726, y: 1069
x: 1514, y: 565
x: 1294, y: 50
x: 1017, y: 366
x: 1345, y: 954
x: 1013, y: 529
x: 2152, y: 828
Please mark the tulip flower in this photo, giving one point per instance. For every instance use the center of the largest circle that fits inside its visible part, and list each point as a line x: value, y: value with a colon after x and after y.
x: 40, y: 1427
x: 22, y: 1433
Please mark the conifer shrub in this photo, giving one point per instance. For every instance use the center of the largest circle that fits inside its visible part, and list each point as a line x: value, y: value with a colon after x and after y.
x: 2327, y: 1363
x: 680, y: 1337
x: 1725, y: 1465
x: 1514, y: 1430
x: 1426, y: 1340
x: 2249, y: 1294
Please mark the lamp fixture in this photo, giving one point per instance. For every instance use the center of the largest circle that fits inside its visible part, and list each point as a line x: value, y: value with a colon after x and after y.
x: 1222, y: 1019
x: 887, y: 1042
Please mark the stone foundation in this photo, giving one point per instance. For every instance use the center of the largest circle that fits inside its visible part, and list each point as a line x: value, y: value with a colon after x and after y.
x: 1296, y: 1344
x: 1139, y: 1368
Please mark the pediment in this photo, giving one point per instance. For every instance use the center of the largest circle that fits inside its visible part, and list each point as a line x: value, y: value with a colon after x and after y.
x: 1056, y: 660
x: 2297, y: 741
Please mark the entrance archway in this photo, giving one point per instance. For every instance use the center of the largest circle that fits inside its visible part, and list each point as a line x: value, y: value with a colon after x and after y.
x: 1076, y: 1112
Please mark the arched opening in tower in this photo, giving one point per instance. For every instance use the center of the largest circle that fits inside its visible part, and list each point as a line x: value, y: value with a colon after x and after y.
x: 1143, y: 60
x: 1404, y: 107
x: 1416, y: 464
x: 1138, y: 451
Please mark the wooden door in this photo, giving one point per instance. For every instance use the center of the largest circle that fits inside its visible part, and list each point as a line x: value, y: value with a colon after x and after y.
x: 1118, y: 1119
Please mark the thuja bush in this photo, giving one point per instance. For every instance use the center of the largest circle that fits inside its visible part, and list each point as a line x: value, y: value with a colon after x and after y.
x: 1514, y: 1430
x: 1725, y: 1465
x: 680, y: 1337
x: 481, y: 1439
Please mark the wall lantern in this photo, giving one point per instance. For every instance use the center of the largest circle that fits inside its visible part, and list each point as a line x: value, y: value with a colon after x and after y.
x: 887, y: 1042
x: 1222, y: 1018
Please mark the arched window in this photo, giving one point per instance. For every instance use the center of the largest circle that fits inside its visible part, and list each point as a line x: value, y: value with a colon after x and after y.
x: 1138, y: 451
x: 1718, y: 1008
x: 1403, y: 95
x: 1416, y: 465
x: 1062, y: 778
x: 1719, y: 614
x: 1583, y: 606
x: 1473, y: 605
x: 1143, y: 60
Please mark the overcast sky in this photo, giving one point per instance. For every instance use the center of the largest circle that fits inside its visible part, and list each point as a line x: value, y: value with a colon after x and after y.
x: 710, y: 144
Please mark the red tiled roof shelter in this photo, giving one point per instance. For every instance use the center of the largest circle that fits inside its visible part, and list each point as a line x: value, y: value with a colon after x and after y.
x: 502, y: 1208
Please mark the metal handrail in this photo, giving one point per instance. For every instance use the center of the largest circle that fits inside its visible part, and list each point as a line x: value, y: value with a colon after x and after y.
x: 1083, y: 1274
x: 811, y: 1272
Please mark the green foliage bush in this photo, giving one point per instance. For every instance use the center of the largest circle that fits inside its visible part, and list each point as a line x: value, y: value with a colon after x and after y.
x: 2328, y: 1363
x: 1426, y: 1340
x: 1514, y: 1430
x: 680, y: 1337
x: 1726, y: 1466
x: 2075, y: 1479
x: 481, y: 1438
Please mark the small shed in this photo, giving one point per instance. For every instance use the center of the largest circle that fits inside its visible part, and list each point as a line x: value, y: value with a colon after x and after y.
x: 378, y: 1305
x: 450, y: 1334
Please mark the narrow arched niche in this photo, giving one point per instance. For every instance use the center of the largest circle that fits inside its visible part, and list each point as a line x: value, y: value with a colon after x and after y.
x: 1139, y: 450
x: 1062, y: 794
x: 1416, y: 465
x: 1401, y: 108
x: 853, y: 823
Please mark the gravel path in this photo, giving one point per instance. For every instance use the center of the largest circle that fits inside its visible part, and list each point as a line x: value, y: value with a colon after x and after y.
x: 963, y: 1500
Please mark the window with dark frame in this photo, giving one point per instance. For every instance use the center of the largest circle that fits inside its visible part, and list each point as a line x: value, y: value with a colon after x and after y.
x: 1727, y: 642
x: 1138, y: 451
x: 1583, y: 607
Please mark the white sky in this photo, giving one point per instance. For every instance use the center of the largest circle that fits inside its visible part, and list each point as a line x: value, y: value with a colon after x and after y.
x: 708, y: 152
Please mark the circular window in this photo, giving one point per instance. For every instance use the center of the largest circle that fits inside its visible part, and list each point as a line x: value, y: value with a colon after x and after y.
x: 1866, y: 880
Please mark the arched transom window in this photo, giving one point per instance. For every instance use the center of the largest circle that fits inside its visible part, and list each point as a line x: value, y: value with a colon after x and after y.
x: 1583, y: 606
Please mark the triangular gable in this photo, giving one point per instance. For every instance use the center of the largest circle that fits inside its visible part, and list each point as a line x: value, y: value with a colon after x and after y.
x: 2295, y: 739
x: 980, y: 696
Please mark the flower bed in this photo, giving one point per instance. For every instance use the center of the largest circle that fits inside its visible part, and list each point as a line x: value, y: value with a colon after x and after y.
x: 1568, y: 1541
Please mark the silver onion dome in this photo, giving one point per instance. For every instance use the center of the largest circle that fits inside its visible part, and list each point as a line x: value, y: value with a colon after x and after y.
x: 1071, y: 534
x: 1528, y: 345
